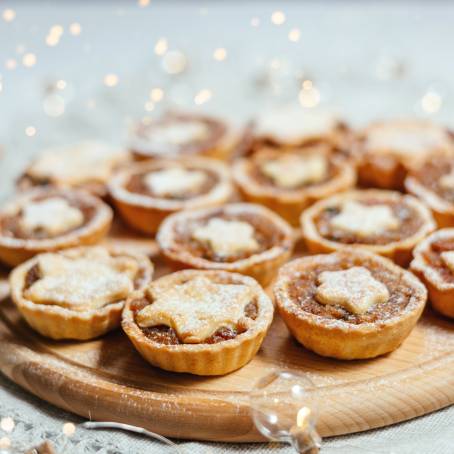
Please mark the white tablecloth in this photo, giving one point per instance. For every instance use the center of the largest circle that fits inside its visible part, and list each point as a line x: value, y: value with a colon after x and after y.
x: 367, y: 59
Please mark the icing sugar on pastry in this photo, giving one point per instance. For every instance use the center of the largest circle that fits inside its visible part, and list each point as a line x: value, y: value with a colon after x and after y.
x: 177, y: 133
x: 227, y: 237
x: 406, y: 138
x: 292, y: 170
x: 447, y: 181
x: 83, y: 283
x: 79, y: 163
x: 197, y: 308
x: 448, y: 259
x: 55, y: 215
x: 174, y: 181
x: 365, y: 220
x: 354, y: 289
x: 295, y: 124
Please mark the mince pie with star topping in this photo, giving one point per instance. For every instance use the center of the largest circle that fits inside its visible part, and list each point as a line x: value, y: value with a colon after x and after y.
x: 85, y: 165
x: 180, y: 134
x: 78, y: 293
x: 244, y: 238
x: 389, y: 149
x: 290, y: 180
x: 385, y: 222
x: 294, y: 127
x: 47, y: 219
x: 201, y: 322
x: 434, y: 265
x: 433, y: 183
x: 350, y: 304
x: 147, y: 192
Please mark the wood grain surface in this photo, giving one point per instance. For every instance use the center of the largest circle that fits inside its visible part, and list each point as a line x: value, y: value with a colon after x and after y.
x: 106, y: 379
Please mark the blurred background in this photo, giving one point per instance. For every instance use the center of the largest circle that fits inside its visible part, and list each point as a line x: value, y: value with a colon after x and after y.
x: 73, y: 70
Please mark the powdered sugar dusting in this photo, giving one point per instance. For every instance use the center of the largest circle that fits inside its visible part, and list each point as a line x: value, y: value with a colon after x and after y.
x: 197, y: 308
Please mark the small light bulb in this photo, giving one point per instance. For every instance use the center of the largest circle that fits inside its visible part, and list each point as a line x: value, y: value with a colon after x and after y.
x: 69, y: 429
x: 278, y: 18
x: 220, y: 54
x: 156, y: 94
x: 161, y: 46
x: 29, y: 60
x: 110, y: 80
x: 294, y: 35
x: 7, y: 424
x: 75, y: 29
x: 202, y: 96
x: 30, y: 131
x: 9, y: 15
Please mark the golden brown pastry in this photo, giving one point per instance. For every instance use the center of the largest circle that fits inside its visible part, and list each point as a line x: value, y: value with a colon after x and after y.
x: 350, y: 304
x: 85, y: 165
x: 78, y: 293
x: 433, y: 184
x: 178, y: 134
x: 389, y: 149
x: 288, y: 180
x: 147, y: 192
x: 47, y: 219
x: 434, y: 265
x: 385, y: 222
x: 201, y: 322
x: 243, y: 238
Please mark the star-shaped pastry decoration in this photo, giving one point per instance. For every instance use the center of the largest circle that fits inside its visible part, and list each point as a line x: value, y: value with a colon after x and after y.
x: 83, y: 283
x: 226, y: 237
x: 54, y: 214
x: 354, y: 289
x: 292, y: 170
x: 364, y: 220
x: 174, y: 181
x: 197, y: 308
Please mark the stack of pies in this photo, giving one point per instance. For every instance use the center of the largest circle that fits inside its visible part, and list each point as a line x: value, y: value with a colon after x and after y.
x: 226, y: 209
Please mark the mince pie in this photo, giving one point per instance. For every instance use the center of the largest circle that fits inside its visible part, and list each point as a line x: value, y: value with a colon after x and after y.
x: 386, y: 222
x: 47, y: 219
x: 85, y: 165
x: 434, y: 265
x: 289, y: 180
x: 244, y: 238
x: 295, y: 126
x: 433, y: 183
x: 390, y: 149
x: 180, y: 134
x: 78, y: 293
x: 350, y: 304
x: 147, y: 192
x: 201, y: 322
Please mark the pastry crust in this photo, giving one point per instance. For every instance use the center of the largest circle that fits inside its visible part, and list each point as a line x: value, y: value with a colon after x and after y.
x: 442, y: 209
x: 441, y: 292
x: 220, y: 143
x: 145, y: 212
x: 399, y: 251
x: 59, y: 322
x: 289, y: 203
x: 337, y: 338
x: 203, y: 359
x: 261, y: 266
x: 387, y: 167
x: 95, y: 183
x: 294, y: 127
x: 14, y: 251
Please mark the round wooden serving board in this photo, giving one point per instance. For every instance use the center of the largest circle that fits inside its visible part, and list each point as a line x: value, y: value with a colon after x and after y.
x: 106, y: 379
